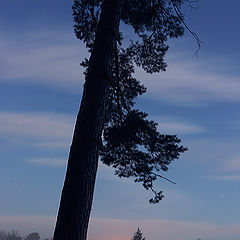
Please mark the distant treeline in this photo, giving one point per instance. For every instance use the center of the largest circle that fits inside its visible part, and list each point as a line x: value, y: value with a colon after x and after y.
x: 14, y: 235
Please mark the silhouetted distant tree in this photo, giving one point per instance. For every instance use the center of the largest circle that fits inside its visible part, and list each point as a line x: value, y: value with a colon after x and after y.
x: 13, y: 235
x: 131, y: 143
x: 138, y: 235
x: 32, y: 236
x: 3, y: 235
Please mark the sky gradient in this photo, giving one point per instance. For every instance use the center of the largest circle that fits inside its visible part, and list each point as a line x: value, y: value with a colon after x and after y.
x: 196, y: 98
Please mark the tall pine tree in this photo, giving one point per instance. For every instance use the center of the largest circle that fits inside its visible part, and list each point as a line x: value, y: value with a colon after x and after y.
x: 108, y: 124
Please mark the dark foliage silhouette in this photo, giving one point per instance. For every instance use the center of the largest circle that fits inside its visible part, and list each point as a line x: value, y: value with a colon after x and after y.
x: 14, y: 235
x: 138, y: 235
x: 32, y: 236
x: 108, y: 122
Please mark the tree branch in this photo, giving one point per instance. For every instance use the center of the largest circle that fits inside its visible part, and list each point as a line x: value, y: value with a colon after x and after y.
x: 117, y: 81
x: 178, y: 12
x: 160, y: 176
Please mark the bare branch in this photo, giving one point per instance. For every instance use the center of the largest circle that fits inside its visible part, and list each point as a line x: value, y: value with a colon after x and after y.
x: 160, y: 176
x: 178, y: 12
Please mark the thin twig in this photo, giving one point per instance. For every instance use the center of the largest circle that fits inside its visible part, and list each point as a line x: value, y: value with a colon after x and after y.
x: 117, y: 81
x: 178, y: 12
x: 160, y: 176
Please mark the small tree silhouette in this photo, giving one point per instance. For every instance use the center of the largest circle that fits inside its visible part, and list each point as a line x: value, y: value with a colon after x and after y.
x: 138, y: 235
x: 33, y: 236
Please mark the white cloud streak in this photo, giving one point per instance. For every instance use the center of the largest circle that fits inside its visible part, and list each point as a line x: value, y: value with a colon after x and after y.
x: 230, y: 165
x: 186, y: 83
x: 227, y: 170
x: 49, y: 162
x: 225, y: 177
x: 50, y: 58
x: 44, y: 128
x: 170, y: 125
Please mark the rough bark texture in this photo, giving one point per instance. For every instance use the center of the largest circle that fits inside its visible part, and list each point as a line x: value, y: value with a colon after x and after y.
x: 77, y: 193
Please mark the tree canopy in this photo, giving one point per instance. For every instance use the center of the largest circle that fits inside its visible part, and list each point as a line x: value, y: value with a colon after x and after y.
x: 33, y: 236
x: 132, y: 144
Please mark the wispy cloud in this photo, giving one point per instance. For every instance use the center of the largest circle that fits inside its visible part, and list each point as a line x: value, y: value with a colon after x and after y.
x: 225, y: 177
x: 50, y: 162
x: 227, y: 170
x: 44, y: 127
x: 191, y: 83
x: 171, y: 125
x: 232, y: 165
x: 44, y: 57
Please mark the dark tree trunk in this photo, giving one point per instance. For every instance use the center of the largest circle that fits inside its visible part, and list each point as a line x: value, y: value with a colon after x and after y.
x: 77, y: 193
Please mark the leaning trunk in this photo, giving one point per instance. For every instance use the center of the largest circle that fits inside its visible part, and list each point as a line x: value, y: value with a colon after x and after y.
x: 77, y: 193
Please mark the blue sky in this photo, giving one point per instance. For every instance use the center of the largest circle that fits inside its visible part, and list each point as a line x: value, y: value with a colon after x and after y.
x: 197, y: 98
